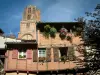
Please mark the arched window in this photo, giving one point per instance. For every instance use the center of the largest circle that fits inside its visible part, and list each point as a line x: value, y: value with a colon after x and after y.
x: 29, y: 10
x: 27, y: 37
x: 29, y: 17
x: 33, y: 10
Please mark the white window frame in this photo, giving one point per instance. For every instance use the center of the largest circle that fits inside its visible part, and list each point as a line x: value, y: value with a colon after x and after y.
x: 40, y: 49
x: 24, y: 54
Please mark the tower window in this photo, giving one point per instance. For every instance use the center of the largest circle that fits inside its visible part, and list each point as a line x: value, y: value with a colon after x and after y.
x: 33, y: 10
x: 29, y: 17
x: 29, y: 10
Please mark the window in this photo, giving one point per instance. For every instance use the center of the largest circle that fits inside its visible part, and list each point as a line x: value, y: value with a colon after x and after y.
x: 27, y: 37
x: 29, y: 10
x: 42, y: 52
x: 22, y: 54
x: 63, y: 53
x: 29, y: 17
x: 33, y: 10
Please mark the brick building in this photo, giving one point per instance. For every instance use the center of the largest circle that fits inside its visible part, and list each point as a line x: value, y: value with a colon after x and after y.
x: 36, y: 54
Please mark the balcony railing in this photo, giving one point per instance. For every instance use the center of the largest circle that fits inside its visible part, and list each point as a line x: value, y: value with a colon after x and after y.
x: 54, y: 45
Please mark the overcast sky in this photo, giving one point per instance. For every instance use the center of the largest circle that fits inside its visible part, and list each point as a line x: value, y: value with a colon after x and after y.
x: 51, y: 10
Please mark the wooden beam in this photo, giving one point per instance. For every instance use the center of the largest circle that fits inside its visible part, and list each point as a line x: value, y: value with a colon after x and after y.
x: 37, y: 61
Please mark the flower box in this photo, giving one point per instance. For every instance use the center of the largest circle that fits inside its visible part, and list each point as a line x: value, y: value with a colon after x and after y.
x: 42, y: 59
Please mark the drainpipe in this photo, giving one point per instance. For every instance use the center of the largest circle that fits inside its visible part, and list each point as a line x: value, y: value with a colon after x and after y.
x: 36, y: 33
x: 37, y: 42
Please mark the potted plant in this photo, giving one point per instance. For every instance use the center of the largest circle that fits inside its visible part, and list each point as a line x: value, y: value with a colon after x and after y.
x: 63, y: 32
x: 53, y: 32
x: 42, y: 59
x: 20, y: 56
x: 69, y: 38
x: 63, y: 58
x: 47, y: 31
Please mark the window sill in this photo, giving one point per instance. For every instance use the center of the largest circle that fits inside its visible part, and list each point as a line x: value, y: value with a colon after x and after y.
x: 21, y: 58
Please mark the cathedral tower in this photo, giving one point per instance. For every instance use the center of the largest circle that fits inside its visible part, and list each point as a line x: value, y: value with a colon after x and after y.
x: 31, y: 15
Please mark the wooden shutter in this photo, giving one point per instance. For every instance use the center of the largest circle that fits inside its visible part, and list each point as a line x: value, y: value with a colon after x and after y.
x: 15, y: 54
x: 56, y: 54
x: 29, y: 54
x: 70, y: 53
x: 35, y: 55
x: 48, y: 54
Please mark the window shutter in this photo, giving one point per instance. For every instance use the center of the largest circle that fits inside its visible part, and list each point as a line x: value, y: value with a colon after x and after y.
x: 35, y: 55
x: 70, y: 53
x: 29, y: 54
x: 48, y: 54
x: 15, y: 54
x: 56, y: 54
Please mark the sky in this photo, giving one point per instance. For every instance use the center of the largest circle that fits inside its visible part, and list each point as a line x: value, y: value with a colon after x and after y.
x: 51, y: 11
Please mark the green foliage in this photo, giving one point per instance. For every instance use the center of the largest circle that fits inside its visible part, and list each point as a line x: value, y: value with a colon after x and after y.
x: 42, y: 59
x: 53, y: 32
x: 46, y: 34
x: 63, y: 58
x: 46, y: 31
x: 69, y: 38
x: 63, y: 33
x: 62, y: 36
x: 77, y: 30
x: 92, y: 38
x: 20, y: 56
x: 71, y: 54
x: 49, y: 31
x: 92, y: 33
x: 47, y: 28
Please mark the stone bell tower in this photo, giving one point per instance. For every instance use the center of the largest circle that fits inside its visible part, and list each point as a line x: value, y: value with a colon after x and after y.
x: 31, y: 15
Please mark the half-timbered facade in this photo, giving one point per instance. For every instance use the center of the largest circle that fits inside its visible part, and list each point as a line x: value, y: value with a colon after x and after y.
x: 38, y: 54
